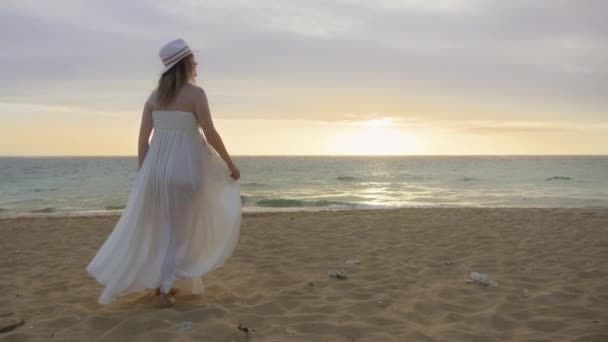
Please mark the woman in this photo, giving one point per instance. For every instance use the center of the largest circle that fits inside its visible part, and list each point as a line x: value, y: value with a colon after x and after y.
x: 183, y: 215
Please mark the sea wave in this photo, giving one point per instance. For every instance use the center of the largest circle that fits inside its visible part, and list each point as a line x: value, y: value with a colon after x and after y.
x: 44, y: 190
x: 245, y: 199
x: 44, y: 210
x: 564, y: 178
x: 253, y: 184
x: 292, y: 203
x: 114, y: 207
x: 348, y: 178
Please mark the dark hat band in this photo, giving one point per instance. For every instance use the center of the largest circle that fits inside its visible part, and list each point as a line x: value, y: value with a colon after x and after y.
x: 176, y: 56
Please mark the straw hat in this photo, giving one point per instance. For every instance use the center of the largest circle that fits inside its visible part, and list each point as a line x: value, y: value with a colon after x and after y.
x: 173, y: 52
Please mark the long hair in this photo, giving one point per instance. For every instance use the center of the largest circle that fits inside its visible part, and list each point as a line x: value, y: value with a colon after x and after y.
x: 173, y: 79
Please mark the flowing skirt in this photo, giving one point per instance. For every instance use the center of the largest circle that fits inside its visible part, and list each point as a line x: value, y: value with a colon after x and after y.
x: 181, y: 221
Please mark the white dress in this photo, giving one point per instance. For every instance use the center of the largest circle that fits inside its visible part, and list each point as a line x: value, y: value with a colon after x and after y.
x: 182, y: 217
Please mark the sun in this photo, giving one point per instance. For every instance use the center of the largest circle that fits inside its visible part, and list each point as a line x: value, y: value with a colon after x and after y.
x: 375, y: 137
x: 384, y: 122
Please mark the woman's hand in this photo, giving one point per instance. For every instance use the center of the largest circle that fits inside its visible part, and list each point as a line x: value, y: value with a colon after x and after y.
x: 234, y: 171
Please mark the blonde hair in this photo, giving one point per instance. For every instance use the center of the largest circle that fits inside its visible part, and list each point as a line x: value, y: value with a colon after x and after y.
x: 173, y: 79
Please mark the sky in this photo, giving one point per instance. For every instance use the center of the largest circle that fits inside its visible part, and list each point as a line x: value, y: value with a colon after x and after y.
x: 313, y: 77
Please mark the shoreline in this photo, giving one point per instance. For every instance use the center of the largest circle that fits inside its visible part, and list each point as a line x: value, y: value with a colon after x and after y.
x: 251, y: 211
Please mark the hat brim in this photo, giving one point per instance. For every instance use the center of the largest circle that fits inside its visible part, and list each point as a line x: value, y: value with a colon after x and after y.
x: 166, y: 68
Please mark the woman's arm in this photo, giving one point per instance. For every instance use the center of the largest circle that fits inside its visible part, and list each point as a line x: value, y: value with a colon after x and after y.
x: 144, y: 134
x: 201, y: 108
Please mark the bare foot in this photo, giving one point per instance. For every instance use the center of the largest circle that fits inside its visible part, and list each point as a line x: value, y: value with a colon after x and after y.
x: 172, y: 292
x: 166, y: 300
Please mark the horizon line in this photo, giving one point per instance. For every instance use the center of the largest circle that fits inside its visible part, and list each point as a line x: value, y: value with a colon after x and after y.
x: 323, y: 155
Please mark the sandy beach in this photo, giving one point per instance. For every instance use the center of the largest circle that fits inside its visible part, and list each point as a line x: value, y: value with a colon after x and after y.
x: 406, y: 280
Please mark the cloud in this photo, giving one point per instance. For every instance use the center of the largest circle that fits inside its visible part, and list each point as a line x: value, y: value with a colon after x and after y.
x: 40, y: 111
x: 548, y: 53
x: 521, y: 127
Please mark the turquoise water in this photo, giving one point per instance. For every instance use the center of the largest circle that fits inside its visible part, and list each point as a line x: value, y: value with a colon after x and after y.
x: 94, y: 184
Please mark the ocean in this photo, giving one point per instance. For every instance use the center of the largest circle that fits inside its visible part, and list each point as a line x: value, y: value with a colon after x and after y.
x: 77, y: 185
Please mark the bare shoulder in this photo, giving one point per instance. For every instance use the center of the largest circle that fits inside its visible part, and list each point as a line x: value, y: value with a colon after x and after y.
x: 153, y: 93
x: 151, y: 101
x: 193, y: 91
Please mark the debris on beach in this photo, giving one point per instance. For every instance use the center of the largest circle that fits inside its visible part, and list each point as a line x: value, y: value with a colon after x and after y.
x: 291, y: 331
x: 245, y: 329
x: 448, y: 263
x: 184, y: 326
x: 353, y: 261
x: 481, y: 279
x: 310, y: 283
x: 341, y: 274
